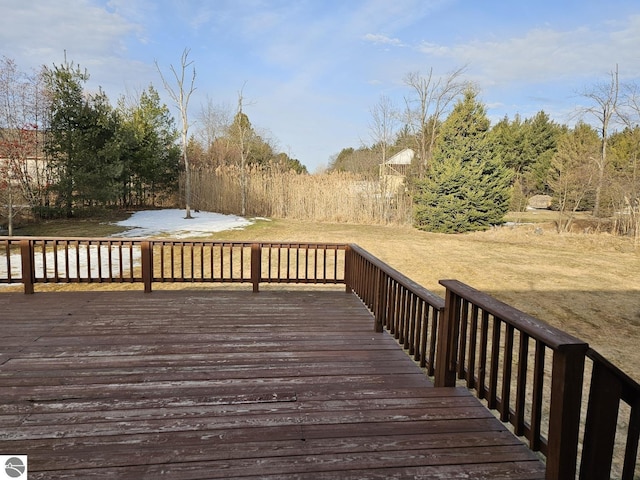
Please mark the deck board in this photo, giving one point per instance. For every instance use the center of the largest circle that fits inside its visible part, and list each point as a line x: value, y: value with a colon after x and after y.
x: 230, y: 384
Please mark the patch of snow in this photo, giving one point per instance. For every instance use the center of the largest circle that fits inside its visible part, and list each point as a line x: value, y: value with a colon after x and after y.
x: 172, y: 222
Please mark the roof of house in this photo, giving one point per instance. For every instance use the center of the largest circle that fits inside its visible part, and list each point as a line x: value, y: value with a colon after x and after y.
x: 403, y: 157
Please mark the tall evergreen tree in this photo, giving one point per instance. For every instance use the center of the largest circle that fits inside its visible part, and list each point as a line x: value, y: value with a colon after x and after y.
x: 64, y: 85
x: 466, y: 189
x: 81, y: 140
x: 98, y: 165
x: 541, y: 143
x: 152, y: 161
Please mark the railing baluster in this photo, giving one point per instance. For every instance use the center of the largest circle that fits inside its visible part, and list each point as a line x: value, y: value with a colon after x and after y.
x: 44, y: 260
x: 521, y: 388
x: 415, y: 327
x: 473, y: 340
x: 506, y: 373
x: 435, y: 322
x: 535, y: 442
x: 462, y: 347
x: 482, y: 367
x: 66, y: 261
x: 56, y: 277
x: 494, y: 364
x: 89, y: 263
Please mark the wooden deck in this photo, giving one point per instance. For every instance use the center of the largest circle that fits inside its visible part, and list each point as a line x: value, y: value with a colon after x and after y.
x: 207, y: 384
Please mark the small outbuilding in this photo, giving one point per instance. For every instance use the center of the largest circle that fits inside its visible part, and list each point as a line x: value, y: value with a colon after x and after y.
x: 397, y: 165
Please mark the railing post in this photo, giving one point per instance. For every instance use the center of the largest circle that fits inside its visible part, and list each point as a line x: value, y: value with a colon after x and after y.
x: 146, y: 260
x: 256, y: 266
x: 28, y: 275
x: 447, y: 342
x: 600, y: 424
x: 348, y: 266
x: 564, y: 414
x: 380, y: 301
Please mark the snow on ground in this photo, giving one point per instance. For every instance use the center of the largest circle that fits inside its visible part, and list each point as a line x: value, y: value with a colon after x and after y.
x: 149, y: 223
x: 172, y: 223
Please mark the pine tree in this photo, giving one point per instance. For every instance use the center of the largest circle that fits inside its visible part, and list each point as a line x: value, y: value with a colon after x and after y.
x: 465, y: 188
x: 153, y: 161
x: 64, y: 85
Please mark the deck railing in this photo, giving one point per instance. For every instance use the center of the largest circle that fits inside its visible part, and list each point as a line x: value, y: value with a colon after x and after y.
x: 532, y: 374
x: 408, y: 311
x: 32, y: 261
x: 504, y: 354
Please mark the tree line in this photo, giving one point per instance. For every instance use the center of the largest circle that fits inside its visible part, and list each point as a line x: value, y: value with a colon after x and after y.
x: 65, y: 150
x: 467, y: 173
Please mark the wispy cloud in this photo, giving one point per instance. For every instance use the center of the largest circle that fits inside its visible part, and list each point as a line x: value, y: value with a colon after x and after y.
x: 82, y: 29
x: 379, y: 39
x: 545, y: 54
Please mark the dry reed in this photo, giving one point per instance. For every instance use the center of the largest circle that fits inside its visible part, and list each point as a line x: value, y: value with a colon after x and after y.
x: 333, y: 197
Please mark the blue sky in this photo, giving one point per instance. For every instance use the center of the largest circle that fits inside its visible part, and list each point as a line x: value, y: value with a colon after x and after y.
x: 311, y: 70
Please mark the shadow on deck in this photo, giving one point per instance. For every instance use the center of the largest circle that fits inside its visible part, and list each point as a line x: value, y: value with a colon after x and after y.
x: 207, y: 384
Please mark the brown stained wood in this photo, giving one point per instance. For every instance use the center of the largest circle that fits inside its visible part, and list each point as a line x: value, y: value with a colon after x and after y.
x: 219, y: 384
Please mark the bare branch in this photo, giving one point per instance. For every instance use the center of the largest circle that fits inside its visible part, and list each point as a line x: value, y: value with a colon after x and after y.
x: 181, y: 97
x: 432, y: 97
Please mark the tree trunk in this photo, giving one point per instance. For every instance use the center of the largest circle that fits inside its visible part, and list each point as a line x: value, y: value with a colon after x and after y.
x: 187, y: 179
x: 10, y: 226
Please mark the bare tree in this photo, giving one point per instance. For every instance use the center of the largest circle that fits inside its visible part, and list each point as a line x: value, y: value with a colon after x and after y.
x: 214, y: 121
x: 605, y: 99
x: 572, y: 172
x: 180, y: 97
x: 384, y: 120
x: 630, y: 197
x: 22, y: 169
x: 431, y: 98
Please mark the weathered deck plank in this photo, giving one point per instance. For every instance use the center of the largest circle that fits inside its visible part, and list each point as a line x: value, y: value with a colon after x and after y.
x: 220, y: 384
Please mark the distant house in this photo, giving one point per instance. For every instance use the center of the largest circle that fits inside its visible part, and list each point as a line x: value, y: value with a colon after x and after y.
x: 394, y: 170
x: 398, y: 165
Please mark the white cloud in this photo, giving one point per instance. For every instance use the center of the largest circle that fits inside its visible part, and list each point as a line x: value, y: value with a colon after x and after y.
x: 545, y: 54
x: 94, y: 37
x: 383, y: 39
x: 80, y: 28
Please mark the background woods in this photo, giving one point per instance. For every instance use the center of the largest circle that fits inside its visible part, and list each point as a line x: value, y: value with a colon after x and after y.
x: 66, y: 151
